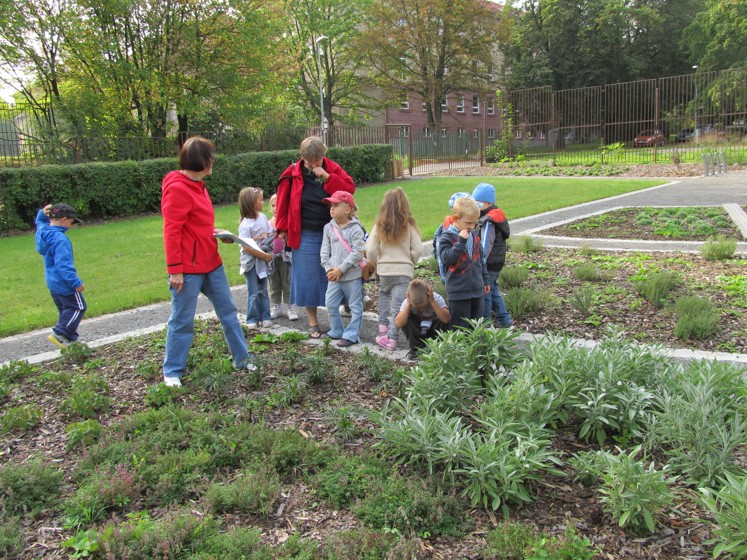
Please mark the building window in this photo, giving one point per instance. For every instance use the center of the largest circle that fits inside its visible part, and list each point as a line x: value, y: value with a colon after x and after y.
x: 475, y: 104
x: 443, y: 133
x: 460, y: 104
x: 491, y: 133
x: 489, y: 75
x: 491, y: 105
x: 426, y: 132
x: 444, y: 105
x: 405, y: 106
x: 461, y: 133
x: 475, y: 133
x: 405, y: 131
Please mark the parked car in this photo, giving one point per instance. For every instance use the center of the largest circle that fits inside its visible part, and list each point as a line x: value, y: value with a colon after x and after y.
x: 685, y: 135
x: 649, y: 137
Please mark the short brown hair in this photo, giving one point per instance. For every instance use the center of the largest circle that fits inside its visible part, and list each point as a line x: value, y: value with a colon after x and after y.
x: 466, y: 207
x: 313, y: 147
x: 197, y: 154
x: 417, y: 294
x: 248, y: 197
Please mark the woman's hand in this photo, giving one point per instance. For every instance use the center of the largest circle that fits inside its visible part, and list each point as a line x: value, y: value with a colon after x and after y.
x: 176, y: 281
x: 320, y: 173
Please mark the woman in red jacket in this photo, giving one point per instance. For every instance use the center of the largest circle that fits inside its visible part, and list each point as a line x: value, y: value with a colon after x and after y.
x: 300, y: 220
x: 193, y: 262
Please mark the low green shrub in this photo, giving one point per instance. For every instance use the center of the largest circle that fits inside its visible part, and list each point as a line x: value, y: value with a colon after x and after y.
x: 76, y: 353
x: 160, y: 395
x: 524, y: 301
x: 84, y: 433
x: 11, y: 537
x: 107, y: 490
x: 20, y: 418
x: 89, y: 396
x: 215, y: 376
x: 696, y: 318
x: 657, y: 286
x: 583, y: 299
x: 252, y: 492
x: 317, y: 367
x: 16, y: 370
x: 632, y: 493
x: 411, y: 506
x: 29, y: 487
x: 363, y: 544
x: 589, y: 273
x: 509, y: 541
x: 728, y: 506
x: 525, y: 244
x: 718, y: 248
x: 348, y: 479
x: 567, y: 547
x: 512, y: 277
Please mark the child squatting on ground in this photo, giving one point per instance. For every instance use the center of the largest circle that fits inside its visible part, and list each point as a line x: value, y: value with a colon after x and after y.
x: 254, y: 224
x: 282, y: 261
x: 341, y: 253
x: 494, y: 231
x: 422, y: 315
x: 394, y: 248
x: 467, y: 279
x: 62, y: 278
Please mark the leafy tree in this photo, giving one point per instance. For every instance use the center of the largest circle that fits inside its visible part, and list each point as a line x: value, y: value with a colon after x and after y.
x: 716, y: 37
x: 339, y: 21
x: 428, y: 49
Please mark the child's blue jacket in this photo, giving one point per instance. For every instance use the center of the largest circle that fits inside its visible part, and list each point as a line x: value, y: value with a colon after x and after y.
x: 57, y: 251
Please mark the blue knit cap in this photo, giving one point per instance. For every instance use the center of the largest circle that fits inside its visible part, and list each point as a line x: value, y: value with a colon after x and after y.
x: 454, y: 197
x: 484, y: 192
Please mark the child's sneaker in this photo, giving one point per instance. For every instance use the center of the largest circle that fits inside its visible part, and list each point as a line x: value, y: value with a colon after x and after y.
x: 385, y: 342
x: 368, y: 303
x: 292, y: 313
x: 248, y: 364
x: 275, y: 311
x: 267, y: 324
x: 59, y: 340
x: 172, y: 381
x: 251, y: 326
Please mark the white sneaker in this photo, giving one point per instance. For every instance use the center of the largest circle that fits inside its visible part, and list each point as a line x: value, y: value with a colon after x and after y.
x: 172, y: 381
x: 292, y: 313
x: 251, y: 326
x: 275, y: 311
x: 267, y: 324
x: 249, y: 364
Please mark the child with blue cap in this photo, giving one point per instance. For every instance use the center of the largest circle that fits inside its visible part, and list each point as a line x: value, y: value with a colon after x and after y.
x: 446, y: 223
x: 494, y: 231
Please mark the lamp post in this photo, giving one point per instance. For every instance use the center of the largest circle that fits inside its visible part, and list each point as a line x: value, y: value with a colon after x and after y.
x: 696, y: 132
x: 321, y: 86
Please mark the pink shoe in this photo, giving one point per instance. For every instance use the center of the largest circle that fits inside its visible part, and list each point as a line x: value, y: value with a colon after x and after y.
x: 383, y: 329
x: 385, y: 342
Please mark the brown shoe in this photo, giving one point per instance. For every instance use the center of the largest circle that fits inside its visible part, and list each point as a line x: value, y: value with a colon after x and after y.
x: 344, y: 343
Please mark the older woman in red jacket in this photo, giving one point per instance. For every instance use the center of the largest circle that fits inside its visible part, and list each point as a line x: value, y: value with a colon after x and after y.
x: 300, y: 220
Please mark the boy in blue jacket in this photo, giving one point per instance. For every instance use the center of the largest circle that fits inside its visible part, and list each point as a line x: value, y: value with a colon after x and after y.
x: 467, y: 279
x: 62, y: 279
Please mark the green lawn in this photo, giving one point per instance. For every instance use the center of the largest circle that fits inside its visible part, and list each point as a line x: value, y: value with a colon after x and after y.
x: 122, y: 263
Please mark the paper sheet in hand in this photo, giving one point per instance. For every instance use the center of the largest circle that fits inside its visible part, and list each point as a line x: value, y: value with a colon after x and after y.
x: 244, y: 241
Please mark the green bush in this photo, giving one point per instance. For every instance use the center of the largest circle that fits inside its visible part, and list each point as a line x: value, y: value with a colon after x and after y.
x: 84, y: 433
x: 728, y: 506
x: 11, y: 538
x: 583, y: 299
x: 89, y: 396
x: 512, y: 277
x: 525, y: 244
x: 411, y: 506
x: 657, y: 286
x: 718, y: 248
x: 509, y: 541
x: 252, y: 492
x: 363, y: 544
x: 20, y: 418
x: 696, y: 318
x: 348, y: 479
x: 524, y: 301
x: 30, y: 487
x: 568, y: 547
x: 589, y: 273
x: 104, y: 190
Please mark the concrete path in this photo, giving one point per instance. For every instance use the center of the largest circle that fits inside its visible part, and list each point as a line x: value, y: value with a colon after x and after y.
x: 701, y: 191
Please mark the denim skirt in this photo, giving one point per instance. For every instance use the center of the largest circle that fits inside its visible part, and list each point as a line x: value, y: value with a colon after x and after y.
x: 308, y: 278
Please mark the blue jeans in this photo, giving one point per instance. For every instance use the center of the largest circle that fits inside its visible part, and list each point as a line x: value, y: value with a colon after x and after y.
x: 257, y: 300
x: 352, y: 292
x: 494, y: 302
x: 181, y: 325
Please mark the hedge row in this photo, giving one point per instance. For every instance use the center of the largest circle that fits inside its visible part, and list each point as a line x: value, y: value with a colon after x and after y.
x: 104, y: 190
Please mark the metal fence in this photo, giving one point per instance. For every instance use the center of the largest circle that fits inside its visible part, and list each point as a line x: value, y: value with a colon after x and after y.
x: 663, y: 119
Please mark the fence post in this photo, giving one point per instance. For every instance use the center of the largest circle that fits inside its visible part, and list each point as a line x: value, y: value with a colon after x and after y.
x: 705, y: 163
x: 409, y: 150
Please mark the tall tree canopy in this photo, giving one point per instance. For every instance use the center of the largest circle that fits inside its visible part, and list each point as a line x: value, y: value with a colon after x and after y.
x: 428, y: 49
x: 717, y: 38
x: 577, y: 43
